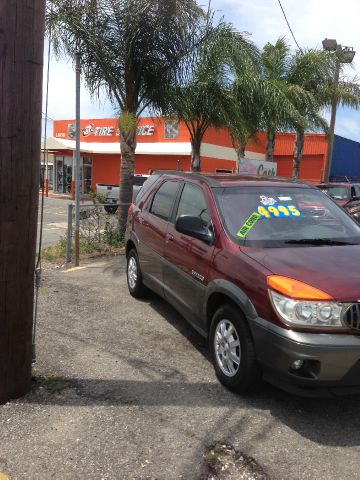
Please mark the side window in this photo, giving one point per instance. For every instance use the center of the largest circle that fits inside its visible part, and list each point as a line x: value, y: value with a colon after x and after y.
x: 192, y: 202
x: 145, y: 188
x: 164, y: 199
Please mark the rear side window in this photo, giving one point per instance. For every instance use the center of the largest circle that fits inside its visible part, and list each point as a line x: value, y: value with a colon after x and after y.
x: 164, y: 199
x: 146, y: 187
x: 192, y: 202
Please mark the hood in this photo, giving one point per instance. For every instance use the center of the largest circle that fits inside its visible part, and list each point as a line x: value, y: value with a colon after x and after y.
x: 334, y: 270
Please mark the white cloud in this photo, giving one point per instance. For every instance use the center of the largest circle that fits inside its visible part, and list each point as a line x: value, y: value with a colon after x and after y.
x: 348, y: 127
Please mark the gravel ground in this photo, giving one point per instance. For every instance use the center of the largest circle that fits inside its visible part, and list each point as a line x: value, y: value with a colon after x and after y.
x: 142, y: 401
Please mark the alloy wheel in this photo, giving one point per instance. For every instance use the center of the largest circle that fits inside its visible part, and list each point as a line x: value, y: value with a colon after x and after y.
x: 227, y: 348
x: 132, y: 272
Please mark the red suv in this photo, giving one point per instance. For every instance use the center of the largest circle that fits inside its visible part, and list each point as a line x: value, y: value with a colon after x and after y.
x: 254, y: 267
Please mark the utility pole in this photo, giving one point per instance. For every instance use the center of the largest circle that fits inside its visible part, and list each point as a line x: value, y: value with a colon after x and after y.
x: 332, y: 124
x: 21, y: 69
x: 342, y: 55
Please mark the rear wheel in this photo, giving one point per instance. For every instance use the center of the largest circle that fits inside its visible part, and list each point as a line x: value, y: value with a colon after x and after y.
x: 134, y: 279
x: 233, y: 351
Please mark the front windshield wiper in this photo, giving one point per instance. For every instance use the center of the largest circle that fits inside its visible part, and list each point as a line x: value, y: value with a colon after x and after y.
x: 318, y: 241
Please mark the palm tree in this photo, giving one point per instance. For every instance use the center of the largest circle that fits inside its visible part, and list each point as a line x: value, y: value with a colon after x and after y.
x: 313, y: 70
x: 204, y: 98
x: 276, y: 70
x: 262, y: 104
x: 131, y: 49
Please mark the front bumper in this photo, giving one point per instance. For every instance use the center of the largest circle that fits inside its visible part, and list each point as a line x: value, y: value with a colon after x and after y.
x: 331, y: 361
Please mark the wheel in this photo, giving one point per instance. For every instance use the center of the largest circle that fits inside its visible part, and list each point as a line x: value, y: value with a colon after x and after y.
x: 110, y: 209
x: 136, y: 288
x: 233, y: 351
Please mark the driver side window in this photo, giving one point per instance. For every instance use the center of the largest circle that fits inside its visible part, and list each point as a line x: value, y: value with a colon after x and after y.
x: 192, y: 202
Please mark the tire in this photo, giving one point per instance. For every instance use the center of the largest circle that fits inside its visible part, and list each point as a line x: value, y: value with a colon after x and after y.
x: 110, y: 209
x: 133, y: 274
x: 240, y: 371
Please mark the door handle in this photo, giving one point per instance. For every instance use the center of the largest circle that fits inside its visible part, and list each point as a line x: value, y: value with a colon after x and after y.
x: 170, y: 238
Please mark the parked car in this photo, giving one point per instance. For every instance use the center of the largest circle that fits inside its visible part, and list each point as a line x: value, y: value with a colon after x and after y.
x: 111, y: 191
x: 253, y: 266
x: 347, y: 195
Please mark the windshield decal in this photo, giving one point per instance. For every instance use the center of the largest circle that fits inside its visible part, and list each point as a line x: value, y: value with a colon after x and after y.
x: 267, y: 200
x: 285, y: 199
x: 281, y: 211
x: 248, y: 225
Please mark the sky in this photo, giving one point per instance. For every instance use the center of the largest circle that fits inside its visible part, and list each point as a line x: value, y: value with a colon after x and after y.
x: 310, y: 20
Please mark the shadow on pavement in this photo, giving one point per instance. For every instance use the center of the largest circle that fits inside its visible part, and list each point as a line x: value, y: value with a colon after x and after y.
x: 333, y: 422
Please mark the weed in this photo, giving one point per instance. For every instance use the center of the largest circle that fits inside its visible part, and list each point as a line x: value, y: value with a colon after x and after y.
x: 51, y: 383
x: 55, y: 252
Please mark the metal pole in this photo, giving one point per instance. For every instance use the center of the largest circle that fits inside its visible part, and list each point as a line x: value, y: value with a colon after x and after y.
x: 47, y: 174
x: 73, y: 175
x: 77, y: 174
x: 332, y: 124
x: 69, y: 234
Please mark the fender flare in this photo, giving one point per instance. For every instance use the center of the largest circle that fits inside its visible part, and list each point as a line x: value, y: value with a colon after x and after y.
x: 235, y: 293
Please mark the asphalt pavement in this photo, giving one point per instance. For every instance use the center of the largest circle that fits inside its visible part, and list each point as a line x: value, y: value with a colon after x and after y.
x: 55, y: 220
x: 142, y: 401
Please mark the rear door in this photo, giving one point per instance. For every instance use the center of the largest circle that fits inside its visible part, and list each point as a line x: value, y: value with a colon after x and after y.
x: 150, y: 228
x: 187, y: 259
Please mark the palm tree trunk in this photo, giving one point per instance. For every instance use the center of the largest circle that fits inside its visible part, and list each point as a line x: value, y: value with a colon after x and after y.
x: 270, y: 146
x: 127, y: 167
x: 195, y: 154
x: 240, y: 154
x: 298, y: 153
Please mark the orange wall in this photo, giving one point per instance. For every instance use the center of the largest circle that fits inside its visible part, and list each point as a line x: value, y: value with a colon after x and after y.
x: 106, y: 168
x: 311, y: 167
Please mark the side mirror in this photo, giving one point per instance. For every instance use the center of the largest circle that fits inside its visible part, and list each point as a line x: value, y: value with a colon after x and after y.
x: 194, y: 227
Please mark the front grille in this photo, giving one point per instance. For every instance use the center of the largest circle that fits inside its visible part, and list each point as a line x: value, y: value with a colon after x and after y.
x: 351, y: 316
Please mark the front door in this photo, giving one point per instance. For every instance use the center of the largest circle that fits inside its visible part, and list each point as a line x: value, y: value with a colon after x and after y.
x: 150, y: 227
x: 187, y: 259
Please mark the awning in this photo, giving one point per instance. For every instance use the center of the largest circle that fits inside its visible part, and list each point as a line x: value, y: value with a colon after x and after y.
x: 143, y: 148
x: 150, y: 148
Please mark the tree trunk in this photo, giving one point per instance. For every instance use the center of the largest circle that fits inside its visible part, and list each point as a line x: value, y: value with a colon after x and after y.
x: 240, y: 154
x: 21, y: 70
x: 270, y: 146
x: 195, y: 155
x: 298, y: 154
x: 127, y: 168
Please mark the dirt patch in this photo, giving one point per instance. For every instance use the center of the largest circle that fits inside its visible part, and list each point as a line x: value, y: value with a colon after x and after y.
x: 223, y: 462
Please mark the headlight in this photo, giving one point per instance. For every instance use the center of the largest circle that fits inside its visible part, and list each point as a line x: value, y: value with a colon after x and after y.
x: 305, y: 313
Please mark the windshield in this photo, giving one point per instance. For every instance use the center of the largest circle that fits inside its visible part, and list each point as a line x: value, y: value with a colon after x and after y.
x: 337, y: 192
x: 272, y: 216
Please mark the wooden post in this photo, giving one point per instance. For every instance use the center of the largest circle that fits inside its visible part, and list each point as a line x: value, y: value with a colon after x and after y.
x: 21, y: 69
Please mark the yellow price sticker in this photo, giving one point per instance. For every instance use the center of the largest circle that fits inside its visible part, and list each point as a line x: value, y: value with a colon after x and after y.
x: 282, y: 211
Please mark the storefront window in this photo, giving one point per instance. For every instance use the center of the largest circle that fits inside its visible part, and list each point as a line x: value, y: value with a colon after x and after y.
x: 64, y: 174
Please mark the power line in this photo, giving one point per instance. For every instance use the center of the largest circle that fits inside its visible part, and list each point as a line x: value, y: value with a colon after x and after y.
x: 47, y: 116
x: 288, y: 24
